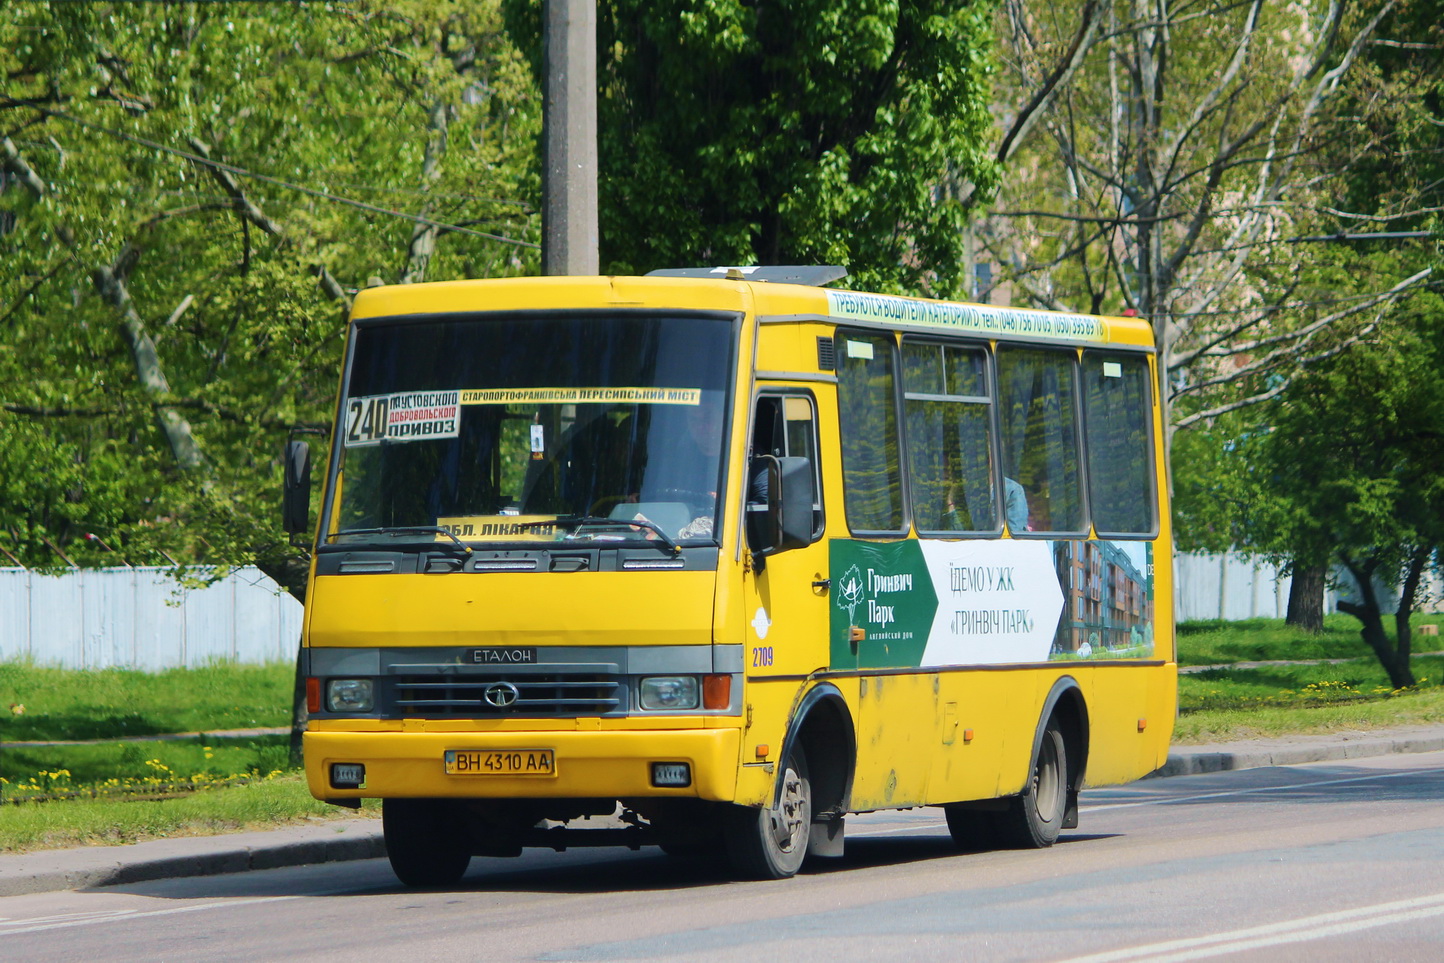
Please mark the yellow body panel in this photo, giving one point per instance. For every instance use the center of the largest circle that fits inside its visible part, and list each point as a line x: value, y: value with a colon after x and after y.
x: 899, y: 725
x: 1131, y: 717
x: 593, y: 608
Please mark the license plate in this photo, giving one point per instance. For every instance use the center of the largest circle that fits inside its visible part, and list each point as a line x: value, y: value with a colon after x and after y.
x: 506, y: 762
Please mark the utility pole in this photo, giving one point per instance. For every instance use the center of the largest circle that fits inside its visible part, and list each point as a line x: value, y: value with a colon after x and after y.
x: 569, y: 134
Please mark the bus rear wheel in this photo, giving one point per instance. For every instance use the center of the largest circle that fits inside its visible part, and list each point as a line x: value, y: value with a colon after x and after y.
x: 1034, y: 819
x: 771, y: 843
x: 426, y: 841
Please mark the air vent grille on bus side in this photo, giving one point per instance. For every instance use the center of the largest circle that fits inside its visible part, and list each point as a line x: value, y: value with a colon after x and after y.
x: 826, y: 354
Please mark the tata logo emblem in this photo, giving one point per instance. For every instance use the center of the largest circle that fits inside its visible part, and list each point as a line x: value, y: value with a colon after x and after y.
x: 501, y: 695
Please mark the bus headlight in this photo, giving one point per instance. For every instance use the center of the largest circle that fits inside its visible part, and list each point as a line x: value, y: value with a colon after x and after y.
x: 668, y: 692
x: 349, y: 695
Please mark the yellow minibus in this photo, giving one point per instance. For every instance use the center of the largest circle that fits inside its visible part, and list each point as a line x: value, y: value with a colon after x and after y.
x: 710, y: 559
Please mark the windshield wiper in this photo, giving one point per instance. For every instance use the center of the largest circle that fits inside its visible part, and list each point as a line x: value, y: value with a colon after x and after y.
x: 409, y: 530
x: 602, y: 521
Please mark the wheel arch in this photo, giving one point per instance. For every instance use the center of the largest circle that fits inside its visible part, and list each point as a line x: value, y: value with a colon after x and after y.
x: 822, y: 725
x: 1066, y: 703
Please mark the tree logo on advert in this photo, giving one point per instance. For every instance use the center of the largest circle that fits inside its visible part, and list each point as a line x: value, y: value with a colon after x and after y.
x: 850, y: 592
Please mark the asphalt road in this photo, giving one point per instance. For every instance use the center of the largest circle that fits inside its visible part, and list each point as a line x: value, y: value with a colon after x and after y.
x: 1335, y: 861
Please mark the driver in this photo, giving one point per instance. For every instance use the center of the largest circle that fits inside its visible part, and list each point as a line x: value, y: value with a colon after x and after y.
x: 685, y: 470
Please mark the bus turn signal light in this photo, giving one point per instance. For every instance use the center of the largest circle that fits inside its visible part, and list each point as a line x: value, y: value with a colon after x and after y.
x: 1142, y: 724
x: 716, y: 691
x: 313, y: 694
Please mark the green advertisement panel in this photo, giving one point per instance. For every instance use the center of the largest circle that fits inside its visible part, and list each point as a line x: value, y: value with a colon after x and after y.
x: 883, y: 604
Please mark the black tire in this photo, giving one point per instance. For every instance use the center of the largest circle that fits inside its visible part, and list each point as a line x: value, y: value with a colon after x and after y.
x: 771, y: 843
x: 1034, y: 819
x: 973, y: 830
x: 426, y: 841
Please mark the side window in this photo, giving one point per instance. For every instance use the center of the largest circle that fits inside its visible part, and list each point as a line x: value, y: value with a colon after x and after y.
x: 1117, y: 413
x: 947, y: 404
x: 786, y: 426
x: 1037, y: 407
x: 867, y: 412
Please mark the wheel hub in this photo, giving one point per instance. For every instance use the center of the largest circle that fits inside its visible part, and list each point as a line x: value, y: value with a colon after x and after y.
x: 787, y: 817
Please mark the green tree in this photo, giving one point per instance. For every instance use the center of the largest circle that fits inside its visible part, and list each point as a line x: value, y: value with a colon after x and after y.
x: 789, y: 131
x: 191, y: 195
x: 1387, y: 176
x: 1164, y: 160
x: 1358, y: 446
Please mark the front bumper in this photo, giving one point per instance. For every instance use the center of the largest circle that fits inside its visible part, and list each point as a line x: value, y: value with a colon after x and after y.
x: 602, y: 764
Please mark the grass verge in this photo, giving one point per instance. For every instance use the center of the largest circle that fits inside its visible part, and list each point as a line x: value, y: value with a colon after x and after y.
x: 1425, y: 707
x: 267, y: 804
x: 1259, y: 640
x: 43, y: 703
x: 143, y: 766
x: 1235, y: 702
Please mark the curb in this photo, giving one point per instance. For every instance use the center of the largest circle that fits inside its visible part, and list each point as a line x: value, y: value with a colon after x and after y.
x: 49, y: 871
x: 1244, y: 756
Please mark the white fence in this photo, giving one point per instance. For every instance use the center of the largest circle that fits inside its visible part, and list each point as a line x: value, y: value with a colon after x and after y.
x: 1236, y: 586
x: 1231, y: 586
x: 141, y: 618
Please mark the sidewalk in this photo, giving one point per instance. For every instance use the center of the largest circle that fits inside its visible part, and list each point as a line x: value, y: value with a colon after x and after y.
x: 348, y: 839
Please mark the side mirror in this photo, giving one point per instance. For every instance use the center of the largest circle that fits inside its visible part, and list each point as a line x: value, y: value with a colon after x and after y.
x: 779, y: 511
x: 296, y: 488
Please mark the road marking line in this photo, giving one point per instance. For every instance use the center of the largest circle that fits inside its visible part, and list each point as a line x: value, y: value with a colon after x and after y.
x: 1163, y: 800
x: 118, y: 915
x: 1272, y: 934
x: 915, y: 827
x: 61, y: 918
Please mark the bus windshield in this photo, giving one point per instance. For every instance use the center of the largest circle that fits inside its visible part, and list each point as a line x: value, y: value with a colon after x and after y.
x: 551, y: 428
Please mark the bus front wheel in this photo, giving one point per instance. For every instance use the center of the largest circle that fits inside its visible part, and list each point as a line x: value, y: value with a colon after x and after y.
x: 770, y: 843
x: 426, y: 841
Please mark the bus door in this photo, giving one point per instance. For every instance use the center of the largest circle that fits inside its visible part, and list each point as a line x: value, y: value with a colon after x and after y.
x: 787, y: 599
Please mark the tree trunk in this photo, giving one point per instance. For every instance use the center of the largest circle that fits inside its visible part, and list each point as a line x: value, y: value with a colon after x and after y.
x: 423, y: 236
x: 1403, y: 645
x: 299, y: 713
x: 1306, y: 598
x: 1401, y: 675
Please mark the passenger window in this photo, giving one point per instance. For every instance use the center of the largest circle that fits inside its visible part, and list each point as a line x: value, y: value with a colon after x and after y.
x: 949, y: 439
x: 867, y: 411
x: 1117, y: 410
x: 1039, y: 432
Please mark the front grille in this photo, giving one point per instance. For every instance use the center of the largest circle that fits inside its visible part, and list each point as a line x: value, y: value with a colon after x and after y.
x: 464, y: 696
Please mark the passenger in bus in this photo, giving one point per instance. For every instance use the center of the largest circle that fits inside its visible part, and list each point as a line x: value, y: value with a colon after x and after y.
x: 1015, y: 505
x: 1015, y: 509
